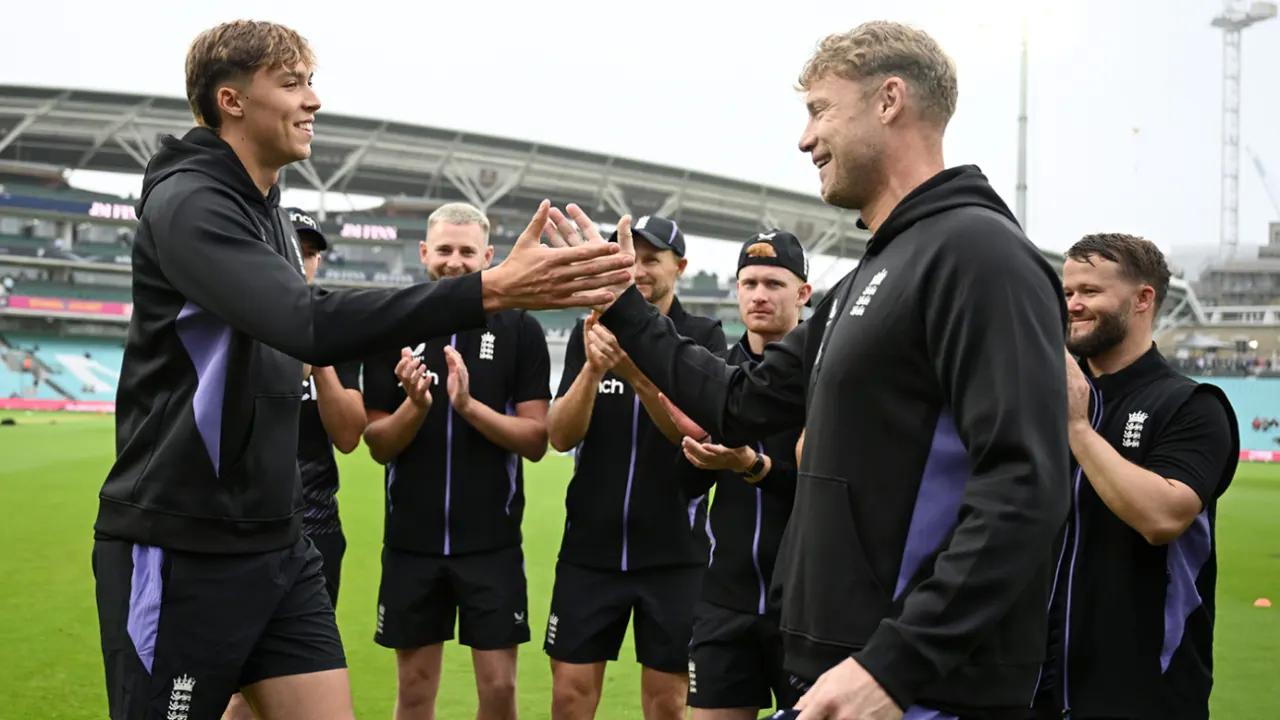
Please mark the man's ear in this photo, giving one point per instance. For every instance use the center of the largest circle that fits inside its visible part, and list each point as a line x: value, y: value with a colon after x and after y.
x: 229, y: 98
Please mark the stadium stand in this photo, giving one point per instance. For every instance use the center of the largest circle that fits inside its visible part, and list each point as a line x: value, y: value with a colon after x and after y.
x: 353, y: 270
x: 53, y: 192
x: 67, y: 249
x: 25, y: 245
x: 352, y: 226
x: 22, y: 375
x: 70, y: 368
x: 43, y: 288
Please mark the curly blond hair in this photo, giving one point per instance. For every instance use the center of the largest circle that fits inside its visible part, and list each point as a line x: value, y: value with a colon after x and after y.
x: 881, y: 49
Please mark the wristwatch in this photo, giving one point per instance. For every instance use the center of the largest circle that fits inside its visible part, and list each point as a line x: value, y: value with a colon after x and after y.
x: 757, y: 468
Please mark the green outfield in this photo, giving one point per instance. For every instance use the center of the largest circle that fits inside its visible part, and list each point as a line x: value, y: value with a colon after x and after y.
x: 52, y: 465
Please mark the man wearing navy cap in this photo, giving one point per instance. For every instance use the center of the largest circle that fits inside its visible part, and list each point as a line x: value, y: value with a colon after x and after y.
x: 633, y: 541
x: 332, y: 416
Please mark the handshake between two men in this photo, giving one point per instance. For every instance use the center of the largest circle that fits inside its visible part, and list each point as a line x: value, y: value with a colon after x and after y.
x: 578, y: 267
x: 575, y: 268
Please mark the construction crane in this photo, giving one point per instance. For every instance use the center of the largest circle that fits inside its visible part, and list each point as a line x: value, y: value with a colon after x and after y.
x: 1272, y: 194
x: 1233, y: 20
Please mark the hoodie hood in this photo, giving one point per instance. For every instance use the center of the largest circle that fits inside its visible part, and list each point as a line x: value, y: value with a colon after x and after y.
x: 202, y: 151
x: 952, y: 188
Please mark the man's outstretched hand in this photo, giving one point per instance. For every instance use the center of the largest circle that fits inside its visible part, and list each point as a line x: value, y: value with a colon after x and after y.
x: 576, y: 229
x: 573, y: 272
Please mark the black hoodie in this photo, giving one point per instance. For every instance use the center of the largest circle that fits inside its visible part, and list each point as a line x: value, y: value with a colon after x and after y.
x: 930, y: 383
x: 207, y: 407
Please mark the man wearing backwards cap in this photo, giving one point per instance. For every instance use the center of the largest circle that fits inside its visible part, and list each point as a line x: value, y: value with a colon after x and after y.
x: 629, y: 540
x: 735, y: 658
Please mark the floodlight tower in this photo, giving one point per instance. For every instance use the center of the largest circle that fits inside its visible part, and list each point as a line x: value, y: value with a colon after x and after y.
x: 1233, y: 20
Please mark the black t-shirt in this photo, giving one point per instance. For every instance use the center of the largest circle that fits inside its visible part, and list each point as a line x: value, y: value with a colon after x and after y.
x: 315, y: 458
x: 626, y: 508
x: 746, y: 521
x: 1134, y: 621
x: 452, y: 491
x: 1194, y: 447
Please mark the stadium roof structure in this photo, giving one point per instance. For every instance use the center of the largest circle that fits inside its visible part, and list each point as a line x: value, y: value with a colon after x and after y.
x: 118, y: 132
x: 421, y: 166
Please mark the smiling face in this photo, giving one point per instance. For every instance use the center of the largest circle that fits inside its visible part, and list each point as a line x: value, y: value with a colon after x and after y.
x: 657, y: 271
x: 274, y: 111
x: 454, y: 250
x: 1101, y: 304
x: 251, y: 82
x: 845, y: 140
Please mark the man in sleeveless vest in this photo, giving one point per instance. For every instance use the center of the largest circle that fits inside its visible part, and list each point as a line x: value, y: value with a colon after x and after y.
x: 1131, y: 615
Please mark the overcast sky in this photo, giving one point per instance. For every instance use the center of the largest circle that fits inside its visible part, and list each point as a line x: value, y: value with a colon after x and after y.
x: 1124, y: 104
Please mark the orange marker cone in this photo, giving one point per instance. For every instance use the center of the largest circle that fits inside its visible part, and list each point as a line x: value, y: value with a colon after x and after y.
x: 1262, y: 603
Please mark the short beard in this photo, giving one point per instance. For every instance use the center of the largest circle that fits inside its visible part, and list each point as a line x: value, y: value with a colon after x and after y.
x: 863, y: 180
x: 1110, y: 330
x: 657, y: 298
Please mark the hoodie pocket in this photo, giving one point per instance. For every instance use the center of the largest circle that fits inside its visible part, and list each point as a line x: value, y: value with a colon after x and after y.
x: 264, y: 478
x: 830, y: 592
x: 135, y: 457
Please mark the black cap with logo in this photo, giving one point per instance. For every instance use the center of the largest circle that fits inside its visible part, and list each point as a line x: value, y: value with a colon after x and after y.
x: 658, y: 231
x: 304, y: 223
x: 777, y: 248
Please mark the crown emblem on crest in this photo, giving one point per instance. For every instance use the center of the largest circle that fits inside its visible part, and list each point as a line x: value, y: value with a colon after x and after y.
x: 860, y: 305
x: 184, y: 683
x: 1133, y: 429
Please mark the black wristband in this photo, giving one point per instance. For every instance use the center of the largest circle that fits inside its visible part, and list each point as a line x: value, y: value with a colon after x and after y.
x: 756, y: 469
